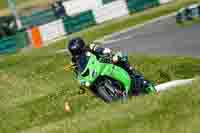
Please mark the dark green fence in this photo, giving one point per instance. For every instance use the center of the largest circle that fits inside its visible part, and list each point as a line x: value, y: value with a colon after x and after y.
x: 8, y: 45
x: 13, y: 43
x: 38, y: 18
x: 140, y: 5
x: 21, y: 39
x: 79, y: 22
x: 107, y: 1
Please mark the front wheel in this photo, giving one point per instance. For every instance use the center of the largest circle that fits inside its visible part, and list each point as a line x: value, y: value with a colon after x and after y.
x: 104, y: 94
x: 109, y: 90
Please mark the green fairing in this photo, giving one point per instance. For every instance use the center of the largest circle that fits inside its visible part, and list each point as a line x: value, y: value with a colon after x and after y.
x: 98, y: 69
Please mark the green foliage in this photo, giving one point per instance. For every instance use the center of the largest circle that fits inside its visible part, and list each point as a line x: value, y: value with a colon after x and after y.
x: 3, y: 4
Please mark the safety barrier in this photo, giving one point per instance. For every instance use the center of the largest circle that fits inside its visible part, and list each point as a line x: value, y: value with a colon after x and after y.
x: 38, y: 18
x: 110, y: 11
x: 140, y: 5
x: 74, y: 7
x: 79, y: 22
x: 189, y: 13
x: 107, y: 1
x: 35, y: 37
x: 39, y: 35
x: 52, y: 30
x: 13, y: 43
x: 8, y: 45
x: 165, y: 1
x: 21, y: 39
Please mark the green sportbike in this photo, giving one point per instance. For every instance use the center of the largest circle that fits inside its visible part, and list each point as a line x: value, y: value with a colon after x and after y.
x: 109, y: 81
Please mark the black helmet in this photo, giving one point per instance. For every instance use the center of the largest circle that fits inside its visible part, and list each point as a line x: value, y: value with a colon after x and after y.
x: 76, y: 46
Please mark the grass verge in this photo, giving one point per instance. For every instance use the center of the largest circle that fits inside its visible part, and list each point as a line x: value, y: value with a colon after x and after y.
x: 35, y: 88
x: 165, y: 112
x: 189, y: 23
x: 23, y: 5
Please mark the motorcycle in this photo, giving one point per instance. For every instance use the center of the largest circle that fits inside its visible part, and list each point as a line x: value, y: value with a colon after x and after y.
x: 109, y: 81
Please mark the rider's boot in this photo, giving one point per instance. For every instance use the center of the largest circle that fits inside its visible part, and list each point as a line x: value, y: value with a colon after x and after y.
x: 138, y: 87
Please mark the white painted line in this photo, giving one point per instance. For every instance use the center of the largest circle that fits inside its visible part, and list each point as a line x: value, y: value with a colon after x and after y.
x: 55, y: 40
x: 62, y: 51
x: 115, y: 40
x: 172, y: 84
x: 136, y: 27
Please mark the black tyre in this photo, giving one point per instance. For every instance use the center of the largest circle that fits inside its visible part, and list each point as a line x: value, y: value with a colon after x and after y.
x: 107, y: 92
x: 103, y: 94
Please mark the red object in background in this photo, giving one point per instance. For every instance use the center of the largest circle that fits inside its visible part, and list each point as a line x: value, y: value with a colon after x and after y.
x: 36, y: 37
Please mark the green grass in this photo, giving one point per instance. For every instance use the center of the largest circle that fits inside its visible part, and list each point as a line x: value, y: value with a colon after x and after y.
x: 25, y: 5
x: 189, y: 23
x: 34, y: 89
x: 173, y: 111
x: 4, y: 4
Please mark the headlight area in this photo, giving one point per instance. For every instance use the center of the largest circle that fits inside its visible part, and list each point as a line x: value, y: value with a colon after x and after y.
x: 84, y: 83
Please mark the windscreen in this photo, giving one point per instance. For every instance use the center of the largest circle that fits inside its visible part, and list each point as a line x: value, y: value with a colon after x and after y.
x: 82, y: 62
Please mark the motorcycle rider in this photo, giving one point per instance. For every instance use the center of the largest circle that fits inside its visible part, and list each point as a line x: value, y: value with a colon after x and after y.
x: 77, y: 47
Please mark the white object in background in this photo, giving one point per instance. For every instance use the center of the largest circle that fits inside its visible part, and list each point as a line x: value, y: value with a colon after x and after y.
x: 165, y: 1
x: 28, y: 31
x: 52, y: 30
x: 194, y: 9
x: 67, y: 107
x: 193, y: 6
x: 110, y: 11
x: 172, y: 84
x: 73, y: 7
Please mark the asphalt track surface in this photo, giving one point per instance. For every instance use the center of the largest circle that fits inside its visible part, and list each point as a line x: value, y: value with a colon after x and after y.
x: 164, y: 37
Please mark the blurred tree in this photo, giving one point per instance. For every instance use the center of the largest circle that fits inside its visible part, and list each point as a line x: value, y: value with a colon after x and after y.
x: 8, y: 26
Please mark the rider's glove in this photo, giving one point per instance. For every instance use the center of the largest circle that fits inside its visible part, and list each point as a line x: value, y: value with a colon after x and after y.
x: 107, y: 51
x: 93, y: 46
x: 115, y: 59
